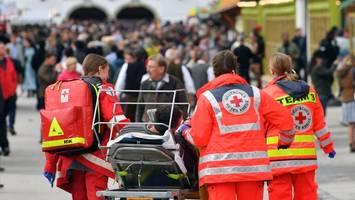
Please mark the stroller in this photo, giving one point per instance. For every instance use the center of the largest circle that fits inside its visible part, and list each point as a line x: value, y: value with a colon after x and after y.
x: 151, y: 166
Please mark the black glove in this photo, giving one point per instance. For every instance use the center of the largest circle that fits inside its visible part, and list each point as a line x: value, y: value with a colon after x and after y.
x: 283, y: 146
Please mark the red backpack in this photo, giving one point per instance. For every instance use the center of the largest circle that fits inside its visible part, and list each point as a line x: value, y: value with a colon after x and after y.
x: 67, y: 118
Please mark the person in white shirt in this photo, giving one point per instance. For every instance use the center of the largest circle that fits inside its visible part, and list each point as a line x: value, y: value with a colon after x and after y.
x: 130, y: 77
x: 129, y: 57
x: 173, y: 59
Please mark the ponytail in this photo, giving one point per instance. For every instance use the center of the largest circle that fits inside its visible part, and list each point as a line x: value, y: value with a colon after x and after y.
x: 291, y: 75
x: 281, y: 64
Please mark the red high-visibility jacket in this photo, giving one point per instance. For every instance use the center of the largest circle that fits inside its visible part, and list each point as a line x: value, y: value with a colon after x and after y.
x: 309, y: 123
x: 227, y: 126
x: 96, y: 160
x: 8, y: 79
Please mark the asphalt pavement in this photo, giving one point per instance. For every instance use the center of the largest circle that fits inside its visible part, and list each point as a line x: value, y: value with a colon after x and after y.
x: 23, y: 168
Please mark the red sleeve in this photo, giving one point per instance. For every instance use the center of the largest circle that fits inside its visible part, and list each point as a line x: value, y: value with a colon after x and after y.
x: 320, y: 129
x: 51, y: 162
x: 278, y: 116
x: 110, y: 108
x: 200, y: 133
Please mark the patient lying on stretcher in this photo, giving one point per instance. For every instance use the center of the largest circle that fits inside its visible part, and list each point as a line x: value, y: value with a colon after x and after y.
x: 162, y: 115
x: 159, y: 115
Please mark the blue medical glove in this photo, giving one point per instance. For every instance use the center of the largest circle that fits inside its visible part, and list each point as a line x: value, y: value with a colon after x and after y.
x: 332, y: 154
x: 182, y: 128
x: 50, y: 177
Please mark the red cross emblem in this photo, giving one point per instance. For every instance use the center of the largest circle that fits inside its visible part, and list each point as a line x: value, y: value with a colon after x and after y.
x: 236, y: 101
x: 300, y: 118
x: 64, y: 93
x: 64, y: 96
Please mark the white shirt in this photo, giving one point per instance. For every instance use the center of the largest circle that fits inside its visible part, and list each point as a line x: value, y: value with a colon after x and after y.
x: 121, y: 79
x: 189, y: 83
x: 210, y: 74
x: 145, y: 77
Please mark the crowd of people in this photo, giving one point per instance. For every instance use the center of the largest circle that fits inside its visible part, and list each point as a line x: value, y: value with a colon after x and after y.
x: 154, y: 56
x: 44, y: 54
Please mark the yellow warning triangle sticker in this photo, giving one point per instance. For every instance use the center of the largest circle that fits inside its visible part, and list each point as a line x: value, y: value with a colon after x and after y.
x: 55, y: 129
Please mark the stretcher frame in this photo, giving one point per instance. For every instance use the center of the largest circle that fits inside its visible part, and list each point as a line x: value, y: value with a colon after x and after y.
x: 172, y: 194
x: 96, y: 109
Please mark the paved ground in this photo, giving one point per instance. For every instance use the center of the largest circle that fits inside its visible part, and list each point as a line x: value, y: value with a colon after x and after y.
x: 337, y: 177
x: 23, y: 179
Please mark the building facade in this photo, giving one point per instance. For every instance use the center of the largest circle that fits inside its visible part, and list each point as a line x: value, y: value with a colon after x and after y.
x: 315, y: 17
x: 58, y: 10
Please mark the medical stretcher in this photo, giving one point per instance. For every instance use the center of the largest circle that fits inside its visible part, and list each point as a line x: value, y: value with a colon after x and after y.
x: 147, y: 171
x: 148, y: 166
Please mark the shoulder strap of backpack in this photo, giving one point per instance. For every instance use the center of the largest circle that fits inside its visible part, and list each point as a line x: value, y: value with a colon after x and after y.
x: 94, y: 89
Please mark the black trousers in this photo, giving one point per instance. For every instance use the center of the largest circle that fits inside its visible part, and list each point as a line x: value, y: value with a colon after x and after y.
x: 12, y: 111
x: 40, y: 103
x: 5, y: 108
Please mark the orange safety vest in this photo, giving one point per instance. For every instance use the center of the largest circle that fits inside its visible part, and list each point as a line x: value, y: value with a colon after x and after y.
x: 228, y: 128
x: 309, y: 123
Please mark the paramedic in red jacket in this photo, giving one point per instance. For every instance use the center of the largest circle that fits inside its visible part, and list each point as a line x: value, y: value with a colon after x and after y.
x: 85, y: 174
x: 227, y: 127
x: 294, y: 168
x: 8, y: 79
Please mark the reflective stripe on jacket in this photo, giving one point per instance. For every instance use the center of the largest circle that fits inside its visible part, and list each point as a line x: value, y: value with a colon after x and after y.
x: 228, y: 128
x: 95, y: 161
x: 309, y: 121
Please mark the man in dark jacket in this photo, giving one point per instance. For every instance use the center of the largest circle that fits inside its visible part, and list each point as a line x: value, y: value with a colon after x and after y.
x: 130, y: 79
x: 322, y: 78
x: 329, y: 47
x: 259, y: 54
x: 244, y: 58
x: 159, y: 79
x: 289, y: 48
x: 301, y: 41
x: 47, y: 75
